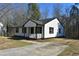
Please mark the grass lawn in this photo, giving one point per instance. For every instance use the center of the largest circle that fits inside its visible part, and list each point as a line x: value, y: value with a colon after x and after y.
x: 6, y: 43
x: 72, y: 50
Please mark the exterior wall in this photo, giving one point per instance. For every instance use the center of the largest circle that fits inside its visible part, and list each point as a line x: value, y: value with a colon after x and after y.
x: 1, y: 31
x: 30, y: 24
x: 19, y: 33
x: 34, y: 35
x: 62, y: 30
x: 56, y: 25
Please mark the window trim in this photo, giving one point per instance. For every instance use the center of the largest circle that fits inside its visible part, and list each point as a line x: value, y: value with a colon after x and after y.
x: 24, y: 30
x: 39, y: 30
x: 51, y: 30
x: 32, y: 30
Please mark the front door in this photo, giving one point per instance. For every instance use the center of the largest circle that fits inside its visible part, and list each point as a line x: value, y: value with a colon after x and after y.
x: 30, y: 31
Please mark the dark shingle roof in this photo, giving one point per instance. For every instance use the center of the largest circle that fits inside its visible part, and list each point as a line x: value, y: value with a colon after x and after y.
x: 42, y: 21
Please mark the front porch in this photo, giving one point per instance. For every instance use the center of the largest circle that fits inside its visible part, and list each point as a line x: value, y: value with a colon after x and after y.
x: 32, y: 29
x: 33, y: 32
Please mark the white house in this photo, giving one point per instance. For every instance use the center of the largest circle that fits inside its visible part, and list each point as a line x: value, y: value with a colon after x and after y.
x: 47, y: 28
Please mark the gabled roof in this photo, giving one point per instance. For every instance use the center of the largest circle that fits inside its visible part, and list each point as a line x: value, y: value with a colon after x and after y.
x: 41, y: 22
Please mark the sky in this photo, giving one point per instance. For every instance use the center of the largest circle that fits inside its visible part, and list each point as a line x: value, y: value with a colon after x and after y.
x: 50, y: 7
x: 43, y: 7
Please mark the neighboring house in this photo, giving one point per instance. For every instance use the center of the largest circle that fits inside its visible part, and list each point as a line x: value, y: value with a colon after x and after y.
x: 47, y: 28
x: 1, y: 28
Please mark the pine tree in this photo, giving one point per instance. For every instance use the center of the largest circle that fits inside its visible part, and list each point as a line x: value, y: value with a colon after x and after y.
x: 33, y: 11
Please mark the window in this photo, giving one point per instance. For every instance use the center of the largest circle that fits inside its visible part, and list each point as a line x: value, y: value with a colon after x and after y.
x: 39, y: 29
x: 17, y: 29
x: 24, y: 30
x: 32, y: 30
x: 51, y: 30
x: 59, y: 30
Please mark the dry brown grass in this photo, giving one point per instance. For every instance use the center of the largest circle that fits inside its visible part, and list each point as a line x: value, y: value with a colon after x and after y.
x: 72, y: 50
x: 9, y: 43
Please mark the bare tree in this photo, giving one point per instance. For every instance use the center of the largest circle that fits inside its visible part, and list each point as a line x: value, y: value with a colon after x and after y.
x: 3, y: 11
x: 57, y: 10
x: 45, y: 13
x: 20, y: 16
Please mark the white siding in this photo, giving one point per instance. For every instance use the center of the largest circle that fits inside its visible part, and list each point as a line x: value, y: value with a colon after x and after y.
x: 56, y: 25
x: 62, y: 30
x: 30, y: 24
x: 34, y: 36
x: 28, y: 34
x: 20, y: 32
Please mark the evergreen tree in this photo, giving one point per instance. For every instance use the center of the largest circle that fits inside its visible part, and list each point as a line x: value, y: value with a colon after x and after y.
x: 33, y: 11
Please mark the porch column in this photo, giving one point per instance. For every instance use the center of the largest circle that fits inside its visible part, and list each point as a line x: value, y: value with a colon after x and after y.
x: 27, y: 32
x: 34, y: 31
x: 20, y: 30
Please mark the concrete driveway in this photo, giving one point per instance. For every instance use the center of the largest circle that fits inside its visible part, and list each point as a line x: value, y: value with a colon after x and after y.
x: 36, y: 49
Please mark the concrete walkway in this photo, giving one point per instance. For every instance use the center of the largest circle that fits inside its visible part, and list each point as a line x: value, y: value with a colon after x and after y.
x: 40, y: 49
